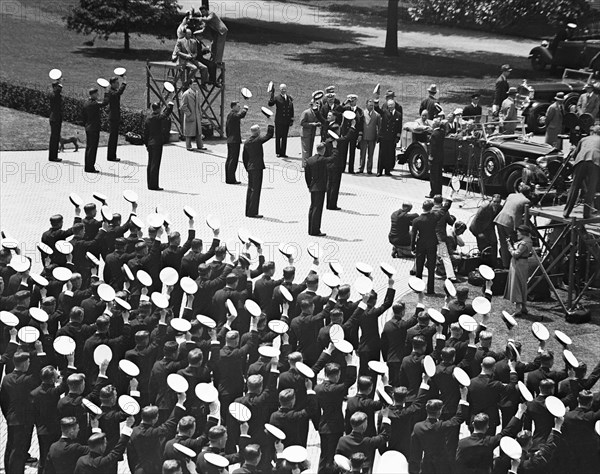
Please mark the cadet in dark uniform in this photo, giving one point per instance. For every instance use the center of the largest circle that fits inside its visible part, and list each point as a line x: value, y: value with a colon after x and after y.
x: 336, y: 167
x: 316, y: 179
x: 114, y: 115
x: 55, y: 120
x: 436, y: 160
x: 424, y: 242
x: 234, y: 140
x: 154, y: 139
x: 284, y: 118
x: 64, y: 453
x: 91, y: 120
x: 253, y: 158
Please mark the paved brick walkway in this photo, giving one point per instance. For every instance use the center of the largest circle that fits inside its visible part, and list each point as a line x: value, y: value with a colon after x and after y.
x: 32, y: 189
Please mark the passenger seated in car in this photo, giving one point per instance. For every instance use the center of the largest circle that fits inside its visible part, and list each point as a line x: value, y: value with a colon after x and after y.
x: 423, y: 127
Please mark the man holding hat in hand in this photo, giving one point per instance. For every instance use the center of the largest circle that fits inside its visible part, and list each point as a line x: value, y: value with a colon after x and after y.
x: 114, y: 94
x: 91, y: 121
x: 253, y: 158
x: 234, y: 140
x: 501, y: 88
x: 56, y: 116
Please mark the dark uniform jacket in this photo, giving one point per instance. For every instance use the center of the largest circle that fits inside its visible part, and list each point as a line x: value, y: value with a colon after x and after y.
x: 114, y: 102
x: 94, y: 463
x: 315, y: 172
x: 284, y: 108
x: 63, y: 456
x: 400, y: 231
x: 153, y: 127
x: 423, y: 233
x: 393, y: 337
x: 56, y: 102
x: 232, y: 126
x: 91, y: 114
x: 253, y: 155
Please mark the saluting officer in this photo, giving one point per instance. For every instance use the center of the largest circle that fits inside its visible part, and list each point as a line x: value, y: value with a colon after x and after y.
x: 114, y: 94
x: 91, y: 120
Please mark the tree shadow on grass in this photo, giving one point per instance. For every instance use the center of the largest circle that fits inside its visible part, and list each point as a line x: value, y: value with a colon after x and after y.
x: 118, y: 54
x: 417, y: 61
x: 263, y: 33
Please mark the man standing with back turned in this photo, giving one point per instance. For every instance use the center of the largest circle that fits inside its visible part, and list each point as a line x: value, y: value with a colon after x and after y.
x: 254, y: 163
x: 91, y: 120
x: 114, y: 94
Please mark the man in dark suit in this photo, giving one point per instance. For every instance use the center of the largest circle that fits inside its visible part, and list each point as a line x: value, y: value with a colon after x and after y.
x: 428, y: 441
x: 331, y: 394
x: 537, y: 413
x: 65, y: 452
x: 389, y: 134
x: 284, y: 118
x: 96, y: 461
x: 16, y: 406
x: 358, y: 442
x: 399, y: 235
x: 264, y: 286
x: 424, y: 243
x: 350, y: 150
x: 253, y: 158
x: 154, y: 140
x: 430, y: 103
x: 316, y: 179
x: 436, y: 157
x: 393, y: 338
x: 501, y: 89
x: 473, y: 111
x: 581, y: 442
x: 545, y: 371
x: 485, y: 393
x: 475, y: 453
x: 234, y: 140
x: 114, y: 94
x: 91, y: 121
x: 56, y: 116
x: 144, y: 453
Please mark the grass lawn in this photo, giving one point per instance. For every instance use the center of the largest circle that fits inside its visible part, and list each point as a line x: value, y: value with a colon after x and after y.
x: 307, y: 58
x: 16, y: 130
x: 585, y: 336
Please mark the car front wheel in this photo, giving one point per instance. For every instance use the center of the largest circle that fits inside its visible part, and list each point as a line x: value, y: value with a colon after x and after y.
x: 537, y: 62
x: 536, y: 119
x: 515, y: 179
x: 417, y: 162
x: 493, y: 161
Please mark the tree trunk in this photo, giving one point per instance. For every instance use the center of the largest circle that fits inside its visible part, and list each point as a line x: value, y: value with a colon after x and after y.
x: 126, y: 45
x: 391, y: 37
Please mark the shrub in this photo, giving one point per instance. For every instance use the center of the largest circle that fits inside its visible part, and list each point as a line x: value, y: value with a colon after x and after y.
x: 34, y: 100
x: 497, y: 15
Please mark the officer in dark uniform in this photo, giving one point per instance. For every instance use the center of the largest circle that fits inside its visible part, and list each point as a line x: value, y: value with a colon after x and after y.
x: 253, y: 158
x: 234, y: 140
x: 389, y: 134
x: 284, y: 118
x: 337, y: 165
x: 316, y: 179
x: 154, y: 140
x: 56, y: 233
x: 64, y: 453
x: 473, y: 110
x: 436, y: 160
x: 56, y: 117
x: 114, y: 115
x: 91, y: 120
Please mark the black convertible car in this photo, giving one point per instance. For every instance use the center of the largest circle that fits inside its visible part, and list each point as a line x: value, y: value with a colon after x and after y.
x: 502, y: 162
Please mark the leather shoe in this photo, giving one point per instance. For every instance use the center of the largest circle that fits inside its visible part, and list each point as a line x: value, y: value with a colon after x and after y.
x: 57, y: 160
x: 257, y: 216
x: 92, y: 171
x: 116, y: 159
x: 319, y: 234
x: 378, y: 174
x: 156, y: 189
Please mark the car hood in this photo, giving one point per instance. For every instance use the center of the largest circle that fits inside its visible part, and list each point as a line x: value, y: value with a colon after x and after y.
x: 523, y: 146
x: 557, y: 86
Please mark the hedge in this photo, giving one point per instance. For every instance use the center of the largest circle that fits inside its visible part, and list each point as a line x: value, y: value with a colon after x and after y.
x: 498, y: 15
x: 36, y: 100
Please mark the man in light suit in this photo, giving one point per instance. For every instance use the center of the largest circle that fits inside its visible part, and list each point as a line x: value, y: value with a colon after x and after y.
x: 508, y: 112
x: 253, y: 157
x: 587, y: 169
x: 554, y: 121
x: 191, y: 107
x: 284, y: 118
x: 185, y: 54
x: 309, y: 121
x: 370, y: 129
x: 588, y: 102
x: 509, y: 218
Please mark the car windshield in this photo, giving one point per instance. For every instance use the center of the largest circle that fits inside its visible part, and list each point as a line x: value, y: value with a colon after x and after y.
x: 487, y: 129
x: 577, y: 75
